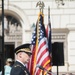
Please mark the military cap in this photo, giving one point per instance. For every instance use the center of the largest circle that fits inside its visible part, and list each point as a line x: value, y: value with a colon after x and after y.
x: 24, y: 48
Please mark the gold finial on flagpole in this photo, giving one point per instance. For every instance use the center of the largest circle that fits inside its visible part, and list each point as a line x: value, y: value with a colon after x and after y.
x: 41, y: 5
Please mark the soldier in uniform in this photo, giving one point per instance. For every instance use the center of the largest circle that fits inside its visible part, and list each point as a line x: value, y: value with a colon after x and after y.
x: 23, y: 54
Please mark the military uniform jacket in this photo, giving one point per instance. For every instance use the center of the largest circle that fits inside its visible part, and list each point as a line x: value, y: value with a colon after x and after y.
x: 19, y: 69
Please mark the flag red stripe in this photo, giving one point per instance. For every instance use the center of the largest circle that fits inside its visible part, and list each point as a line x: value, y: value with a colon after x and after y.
x: 32, y: 61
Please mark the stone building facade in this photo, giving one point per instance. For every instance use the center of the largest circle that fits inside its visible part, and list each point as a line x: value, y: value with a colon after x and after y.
x: 62, y: 18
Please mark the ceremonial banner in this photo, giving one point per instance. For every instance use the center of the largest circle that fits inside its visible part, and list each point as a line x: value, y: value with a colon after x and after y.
x: 40, y: 54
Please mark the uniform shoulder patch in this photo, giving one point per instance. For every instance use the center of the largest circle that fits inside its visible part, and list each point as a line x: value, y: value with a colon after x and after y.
x: 17, y: 66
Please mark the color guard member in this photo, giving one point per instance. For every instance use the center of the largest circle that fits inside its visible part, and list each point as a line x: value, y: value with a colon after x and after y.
x: 23, y: 54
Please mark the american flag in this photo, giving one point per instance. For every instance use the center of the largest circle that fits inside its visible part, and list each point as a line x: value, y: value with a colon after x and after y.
x: 40, y: 50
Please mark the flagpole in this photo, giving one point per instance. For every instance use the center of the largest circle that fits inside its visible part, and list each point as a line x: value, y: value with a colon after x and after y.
x: 50, y: 29
x: 49, y: 17
x: 49, y: 36
x: 41, y: 7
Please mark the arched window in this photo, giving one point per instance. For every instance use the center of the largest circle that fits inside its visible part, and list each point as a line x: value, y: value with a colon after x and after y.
x: 10, y: 23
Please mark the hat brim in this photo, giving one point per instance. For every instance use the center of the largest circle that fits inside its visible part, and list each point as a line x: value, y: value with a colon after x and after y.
x: 27, y: 50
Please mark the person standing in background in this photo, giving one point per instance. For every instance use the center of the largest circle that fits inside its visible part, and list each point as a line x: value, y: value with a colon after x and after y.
x: 7, y: 67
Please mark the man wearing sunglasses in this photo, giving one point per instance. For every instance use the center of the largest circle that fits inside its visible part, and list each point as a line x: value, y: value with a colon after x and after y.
x: 23, y: 54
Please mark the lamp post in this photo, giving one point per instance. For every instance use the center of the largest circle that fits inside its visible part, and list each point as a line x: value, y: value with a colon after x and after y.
x: 3, y: 53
